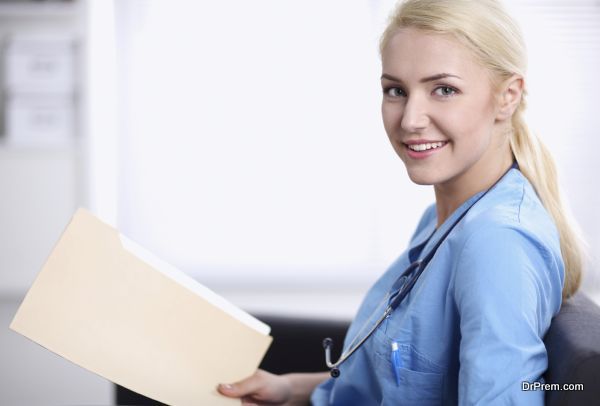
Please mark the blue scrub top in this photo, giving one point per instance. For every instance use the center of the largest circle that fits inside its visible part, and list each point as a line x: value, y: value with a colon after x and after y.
x: 470, y: 331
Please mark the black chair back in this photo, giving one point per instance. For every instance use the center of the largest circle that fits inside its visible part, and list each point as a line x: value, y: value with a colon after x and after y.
x: 573, y: 345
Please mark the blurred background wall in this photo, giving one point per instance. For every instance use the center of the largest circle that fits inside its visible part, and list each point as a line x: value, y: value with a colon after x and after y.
x: 242, y: 142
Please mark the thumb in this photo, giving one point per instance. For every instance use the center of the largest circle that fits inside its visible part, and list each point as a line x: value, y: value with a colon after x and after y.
x: 242, y: 388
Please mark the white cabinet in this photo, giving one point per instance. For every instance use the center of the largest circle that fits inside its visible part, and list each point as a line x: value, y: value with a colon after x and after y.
x: 40, y: 63
x: 43, y: 161
x: 40, y: 120
x: 42, y: 146
x: 40, y: 87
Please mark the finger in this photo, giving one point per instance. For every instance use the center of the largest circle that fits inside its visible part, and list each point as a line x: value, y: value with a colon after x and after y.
x: 241, y: 388
x: 226, y: 389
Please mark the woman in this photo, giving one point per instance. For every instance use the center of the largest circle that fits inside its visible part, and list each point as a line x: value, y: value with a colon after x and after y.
x: 499, y: 254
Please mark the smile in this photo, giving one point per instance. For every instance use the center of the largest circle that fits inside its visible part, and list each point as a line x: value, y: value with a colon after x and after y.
x: 426, y: 146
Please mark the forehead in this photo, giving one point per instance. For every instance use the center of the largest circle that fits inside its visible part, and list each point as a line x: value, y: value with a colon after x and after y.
x: 412, y: 53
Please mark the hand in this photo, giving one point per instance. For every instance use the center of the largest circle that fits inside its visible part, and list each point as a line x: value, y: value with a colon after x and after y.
x: 261, y: 388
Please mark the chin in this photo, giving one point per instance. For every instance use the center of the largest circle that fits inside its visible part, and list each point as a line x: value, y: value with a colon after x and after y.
x: 421, y: 179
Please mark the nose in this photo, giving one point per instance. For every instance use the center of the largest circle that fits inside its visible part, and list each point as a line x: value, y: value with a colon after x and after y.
x: 414, y: 116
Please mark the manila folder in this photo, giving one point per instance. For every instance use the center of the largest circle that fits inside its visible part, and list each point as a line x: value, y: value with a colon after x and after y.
x: 138, y: 322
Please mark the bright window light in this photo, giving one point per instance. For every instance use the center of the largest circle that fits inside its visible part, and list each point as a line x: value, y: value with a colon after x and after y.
x: 251, y: 146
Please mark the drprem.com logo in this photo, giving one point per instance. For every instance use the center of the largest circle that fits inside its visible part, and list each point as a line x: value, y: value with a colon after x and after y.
x: 527, y: 386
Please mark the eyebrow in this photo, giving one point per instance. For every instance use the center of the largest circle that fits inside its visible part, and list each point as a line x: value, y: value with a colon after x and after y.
x: 424, y: 80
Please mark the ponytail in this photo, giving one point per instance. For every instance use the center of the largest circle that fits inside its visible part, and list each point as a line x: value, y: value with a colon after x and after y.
x: 537, y: 165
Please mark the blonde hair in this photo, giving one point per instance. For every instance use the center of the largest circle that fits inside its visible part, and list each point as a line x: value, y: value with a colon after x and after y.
x: 485, y: 28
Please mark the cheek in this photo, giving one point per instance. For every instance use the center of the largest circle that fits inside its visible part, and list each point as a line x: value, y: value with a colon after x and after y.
x: 391, y: 117
x: 470, y: 122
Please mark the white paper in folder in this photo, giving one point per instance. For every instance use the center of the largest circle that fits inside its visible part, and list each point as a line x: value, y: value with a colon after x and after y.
x: 106, y: 304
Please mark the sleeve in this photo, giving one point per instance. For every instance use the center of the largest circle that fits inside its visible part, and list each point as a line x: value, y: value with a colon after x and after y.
x: 503, y: 292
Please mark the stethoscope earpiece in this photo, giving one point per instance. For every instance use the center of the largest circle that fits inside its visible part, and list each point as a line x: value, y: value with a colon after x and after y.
x: 327, y: 344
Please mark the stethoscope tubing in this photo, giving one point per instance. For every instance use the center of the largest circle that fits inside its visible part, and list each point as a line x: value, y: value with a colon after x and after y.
x: 403, y: 291
x: 394, y: 303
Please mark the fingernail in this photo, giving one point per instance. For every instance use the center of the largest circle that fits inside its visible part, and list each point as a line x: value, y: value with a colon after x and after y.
x: 226, y: 386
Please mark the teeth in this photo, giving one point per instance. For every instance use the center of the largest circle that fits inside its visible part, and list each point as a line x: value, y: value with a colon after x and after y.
x: 425, y: 147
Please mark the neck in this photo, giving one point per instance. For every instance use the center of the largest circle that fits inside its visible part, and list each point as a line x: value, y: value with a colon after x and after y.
x: 450, y: 195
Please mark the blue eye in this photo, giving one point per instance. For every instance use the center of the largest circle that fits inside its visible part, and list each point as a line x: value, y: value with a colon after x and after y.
x: 394, y: 92
x: 445, y: 91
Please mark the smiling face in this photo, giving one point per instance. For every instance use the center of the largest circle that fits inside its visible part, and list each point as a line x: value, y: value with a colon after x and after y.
x: 440, y: 111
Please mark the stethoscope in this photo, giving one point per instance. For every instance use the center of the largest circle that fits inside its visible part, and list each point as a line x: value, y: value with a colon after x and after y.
x: 404, y: 284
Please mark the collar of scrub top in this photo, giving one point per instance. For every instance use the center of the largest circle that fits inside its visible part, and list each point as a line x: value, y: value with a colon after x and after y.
x: 401, y: 287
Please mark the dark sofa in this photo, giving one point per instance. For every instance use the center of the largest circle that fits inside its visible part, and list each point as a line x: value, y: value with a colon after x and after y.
x: 573, y: 344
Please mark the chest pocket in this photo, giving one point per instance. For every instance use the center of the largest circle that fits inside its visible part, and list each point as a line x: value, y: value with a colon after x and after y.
x: 420, y: 381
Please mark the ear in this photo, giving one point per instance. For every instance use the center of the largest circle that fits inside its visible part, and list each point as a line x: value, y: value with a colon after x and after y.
x: 510, y: 96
